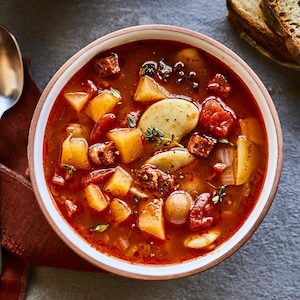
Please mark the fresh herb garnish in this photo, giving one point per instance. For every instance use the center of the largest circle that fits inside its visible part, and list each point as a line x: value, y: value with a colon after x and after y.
x: 148, y: 68
x: 99, y: 227
x: 69, y: 168
x: 99, y: 89
x: 153, y: 134
x: 164, y: 70
x: 219, y: 192
x: 131, y: 121
x: 136, y: 198
x: 115, y: 92
x: 226, y: 142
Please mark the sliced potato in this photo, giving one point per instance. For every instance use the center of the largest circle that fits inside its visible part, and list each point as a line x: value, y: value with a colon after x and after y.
x: 199, y: 241
x: 192, y: 58
x: 149, y: 90
x: 172, y: 160
x: 193, y: 183
x: 74, y: 152
x: 174, y: 117
x: 252, y: 130
x: 128, y: 141
x: 246, y: 160
x: 151, y: 218
x: 95, y: 198
x: 119, y: 183
x: 77, y: 99
x: 100, y: 105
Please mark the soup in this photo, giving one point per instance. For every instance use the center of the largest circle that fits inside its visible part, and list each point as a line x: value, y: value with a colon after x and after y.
x: 155, y: 152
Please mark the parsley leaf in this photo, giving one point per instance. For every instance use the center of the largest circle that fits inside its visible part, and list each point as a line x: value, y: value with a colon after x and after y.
x: 115, y: 92
x: 131, y: 121
x: 226, y: 142
x: 99, y: 227
x: 69, y: 168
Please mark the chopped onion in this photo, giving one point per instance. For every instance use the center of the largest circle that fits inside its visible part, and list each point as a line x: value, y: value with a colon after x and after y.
x: 227, y: 177
x: 122, y: 242
x: 225, y: 155
x: 58, y: 180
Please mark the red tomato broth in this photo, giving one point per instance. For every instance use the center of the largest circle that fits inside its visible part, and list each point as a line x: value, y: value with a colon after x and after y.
x: 143, y: 247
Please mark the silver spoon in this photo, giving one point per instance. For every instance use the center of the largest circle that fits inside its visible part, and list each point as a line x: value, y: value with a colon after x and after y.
x: 11, y: 77
x: 11, y: 71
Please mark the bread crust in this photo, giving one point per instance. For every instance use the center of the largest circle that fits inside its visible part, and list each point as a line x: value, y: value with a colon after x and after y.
x: 256, y: 32
x: 278, y: 19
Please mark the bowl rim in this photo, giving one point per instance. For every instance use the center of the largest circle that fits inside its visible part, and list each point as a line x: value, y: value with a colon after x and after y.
x: 35, y: 160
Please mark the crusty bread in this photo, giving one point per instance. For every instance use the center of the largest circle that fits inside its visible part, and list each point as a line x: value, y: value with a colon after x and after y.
x: 247, y: 17
x: 283, y: 16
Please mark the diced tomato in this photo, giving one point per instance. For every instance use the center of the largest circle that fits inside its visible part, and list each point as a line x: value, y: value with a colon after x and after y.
x: 216, y: 117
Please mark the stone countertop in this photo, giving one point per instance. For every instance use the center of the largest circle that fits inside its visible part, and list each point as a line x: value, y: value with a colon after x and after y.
x: 267, y: 266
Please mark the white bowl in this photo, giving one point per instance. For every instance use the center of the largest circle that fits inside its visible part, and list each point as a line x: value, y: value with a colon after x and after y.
x: 37, y: 131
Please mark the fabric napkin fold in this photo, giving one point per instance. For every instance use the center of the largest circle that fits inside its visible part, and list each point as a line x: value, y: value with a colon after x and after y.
x: 27, y: 238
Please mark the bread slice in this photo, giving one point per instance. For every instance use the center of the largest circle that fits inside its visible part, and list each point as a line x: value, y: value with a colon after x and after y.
x: 283, y: 16
x: 247, y: 17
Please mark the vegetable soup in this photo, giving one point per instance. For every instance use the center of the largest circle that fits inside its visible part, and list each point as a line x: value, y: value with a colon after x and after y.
x: 155, y: 152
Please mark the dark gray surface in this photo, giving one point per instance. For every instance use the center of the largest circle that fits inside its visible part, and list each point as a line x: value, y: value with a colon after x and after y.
x: 268, y: 265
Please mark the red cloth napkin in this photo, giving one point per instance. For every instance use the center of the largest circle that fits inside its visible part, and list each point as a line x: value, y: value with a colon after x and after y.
x: 27, y: 238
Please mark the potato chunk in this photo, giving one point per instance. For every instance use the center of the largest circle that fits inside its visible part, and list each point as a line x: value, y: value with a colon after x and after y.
x: 78, y: 130
x: 100, y: 105
x: 95, y: 198
x: 120, y: 210
x: 172, y: 160
x: 245, y: 163
x: 252, y: 130
x: 77, y: 100
x: 192, y: 58
x: 174, y: 117
x: 151, y: 218
x: 128, y: 141
x: 119, y: 183
x: 149, y: 90
x: 74, y: 152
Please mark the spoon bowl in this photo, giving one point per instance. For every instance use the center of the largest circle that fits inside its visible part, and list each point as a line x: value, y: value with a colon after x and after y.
x: 11, y: 71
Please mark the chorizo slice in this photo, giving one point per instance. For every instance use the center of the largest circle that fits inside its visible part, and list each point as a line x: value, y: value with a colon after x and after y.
x: 97, y: 176
x: 201, y: 213
x: 201, y: 146
x: 108, y: 65
x: 103, y: 153
x: 219, y: 85
x: 102, y: 127
x: 152, y: 178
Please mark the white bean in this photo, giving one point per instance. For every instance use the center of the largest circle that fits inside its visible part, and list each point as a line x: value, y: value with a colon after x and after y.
x: 199, y: 241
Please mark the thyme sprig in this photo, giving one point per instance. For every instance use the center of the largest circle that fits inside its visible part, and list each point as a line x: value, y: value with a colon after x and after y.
x: 114, y: 91
x: 154, y: 134
x: 219, y: 192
